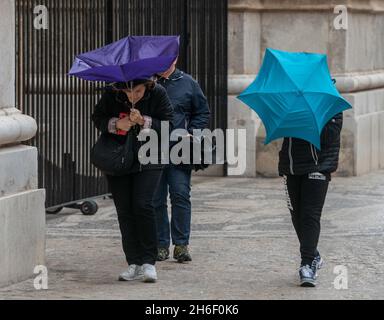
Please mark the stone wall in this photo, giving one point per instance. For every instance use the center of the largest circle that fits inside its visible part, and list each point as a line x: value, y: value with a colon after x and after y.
x: 355, y: 58
x: 22, y: 212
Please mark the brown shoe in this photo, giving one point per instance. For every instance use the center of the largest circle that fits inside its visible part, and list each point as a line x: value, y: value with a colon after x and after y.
x: 181, y: 254
x: 162, y: 254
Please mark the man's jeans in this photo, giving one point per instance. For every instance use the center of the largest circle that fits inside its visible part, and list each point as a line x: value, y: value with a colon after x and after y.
x: 179, y: 182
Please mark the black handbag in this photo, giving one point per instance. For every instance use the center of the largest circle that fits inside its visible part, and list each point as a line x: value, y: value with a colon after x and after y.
x: 112, y: 157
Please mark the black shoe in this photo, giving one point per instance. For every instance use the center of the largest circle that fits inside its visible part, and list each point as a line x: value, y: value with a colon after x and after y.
x: 181, y: 254
x: 162, y: 253
x: 307, y: 276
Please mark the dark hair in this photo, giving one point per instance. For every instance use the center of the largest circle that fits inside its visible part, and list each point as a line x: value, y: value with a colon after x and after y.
x: 148, y: 83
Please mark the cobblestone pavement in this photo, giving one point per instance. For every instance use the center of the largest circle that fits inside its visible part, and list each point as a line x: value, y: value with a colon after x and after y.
x: 243, y: 247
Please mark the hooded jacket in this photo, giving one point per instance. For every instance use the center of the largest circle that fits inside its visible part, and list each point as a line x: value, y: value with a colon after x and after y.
x: 298, y: 157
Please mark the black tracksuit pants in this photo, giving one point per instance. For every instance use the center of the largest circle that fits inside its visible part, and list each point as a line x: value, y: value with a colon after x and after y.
x: 305, y: 198
x: 133, y: 197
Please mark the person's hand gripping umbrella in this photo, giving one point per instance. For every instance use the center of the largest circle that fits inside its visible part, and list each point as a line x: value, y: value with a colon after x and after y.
x: 129, y: 119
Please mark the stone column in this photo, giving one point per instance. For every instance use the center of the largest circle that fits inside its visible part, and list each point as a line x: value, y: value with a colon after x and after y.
x: 243, y: 60
x: 22, y: 212
x: 355, y: 58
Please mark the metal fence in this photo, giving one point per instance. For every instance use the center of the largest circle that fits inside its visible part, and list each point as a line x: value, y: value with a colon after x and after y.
x: 62, y: 105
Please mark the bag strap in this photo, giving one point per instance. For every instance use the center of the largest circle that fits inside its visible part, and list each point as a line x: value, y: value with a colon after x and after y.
x: 128, y: 141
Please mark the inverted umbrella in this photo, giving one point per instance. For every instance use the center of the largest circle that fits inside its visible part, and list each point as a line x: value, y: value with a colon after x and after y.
x: 133, y: 57
x: 294, y: 95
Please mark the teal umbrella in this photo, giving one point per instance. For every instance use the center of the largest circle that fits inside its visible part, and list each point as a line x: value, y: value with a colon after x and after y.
x: 294, y: 95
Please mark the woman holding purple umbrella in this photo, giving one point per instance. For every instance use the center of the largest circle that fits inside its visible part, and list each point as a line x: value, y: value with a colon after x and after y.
x: 131, y: 104
x: 133, y: 193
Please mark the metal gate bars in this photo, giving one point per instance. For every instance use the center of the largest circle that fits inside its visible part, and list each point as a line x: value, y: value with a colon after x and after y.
x: 62, y: 105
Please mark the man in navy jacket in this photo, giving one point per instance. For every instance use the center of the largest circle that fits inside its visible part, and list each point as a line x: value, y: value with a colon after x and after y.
x: 191, y: 112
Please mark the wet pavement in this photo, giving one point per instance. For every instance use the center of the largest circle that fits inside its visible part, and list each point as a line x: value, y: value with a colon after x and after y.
x: 243, y: 247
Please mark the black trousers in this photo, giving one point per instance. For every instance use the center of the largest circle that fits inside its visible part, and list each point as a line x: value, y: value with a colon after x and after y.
x: 305, y: 198
x: 133, y: 197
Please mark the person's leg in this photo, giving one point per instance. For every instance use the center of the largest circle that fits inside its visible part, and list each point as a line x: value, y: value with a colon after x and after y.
x: 313, y: 193
x: 293, y: 193
x: 161, y: 209
x: 144, y: 186
x: 179, y: 190
x: 121, y: 189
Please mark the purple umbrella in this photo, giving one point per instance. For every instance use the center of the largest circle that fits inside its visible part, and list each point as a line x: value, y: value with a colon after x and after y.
x: 133, y: 57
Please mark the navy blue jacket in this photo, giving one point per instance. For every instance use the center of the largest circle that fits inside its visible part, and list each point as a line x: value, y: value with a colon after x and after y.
x: 191, y: 110
x: 190, y: 106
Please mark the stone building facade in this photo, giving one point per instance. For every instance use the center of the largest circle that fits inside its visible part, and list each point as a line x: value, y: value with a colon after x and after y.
x: 355, y: 58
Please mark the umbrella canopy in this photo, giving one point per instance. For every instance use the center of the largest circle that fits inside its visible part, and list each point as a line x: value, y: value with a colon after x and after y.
x: 294, y: 95
x: 133, y: 57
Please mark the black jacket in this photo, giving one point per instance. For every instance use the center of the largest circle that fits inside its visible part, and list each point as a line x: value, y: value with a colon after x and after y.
x: 299, y: 157
x: 155, y: 104
x: 191, y: 110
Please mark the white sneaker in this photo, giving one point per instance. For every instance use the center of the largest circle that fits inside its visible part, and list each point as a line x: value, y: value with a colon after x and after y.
x: 134, y: 272
x: 149, y: 271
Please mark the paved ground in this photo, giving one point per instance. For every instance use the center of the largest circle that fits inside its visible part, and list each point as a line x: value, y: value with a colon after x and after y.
x: 243, y: 247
